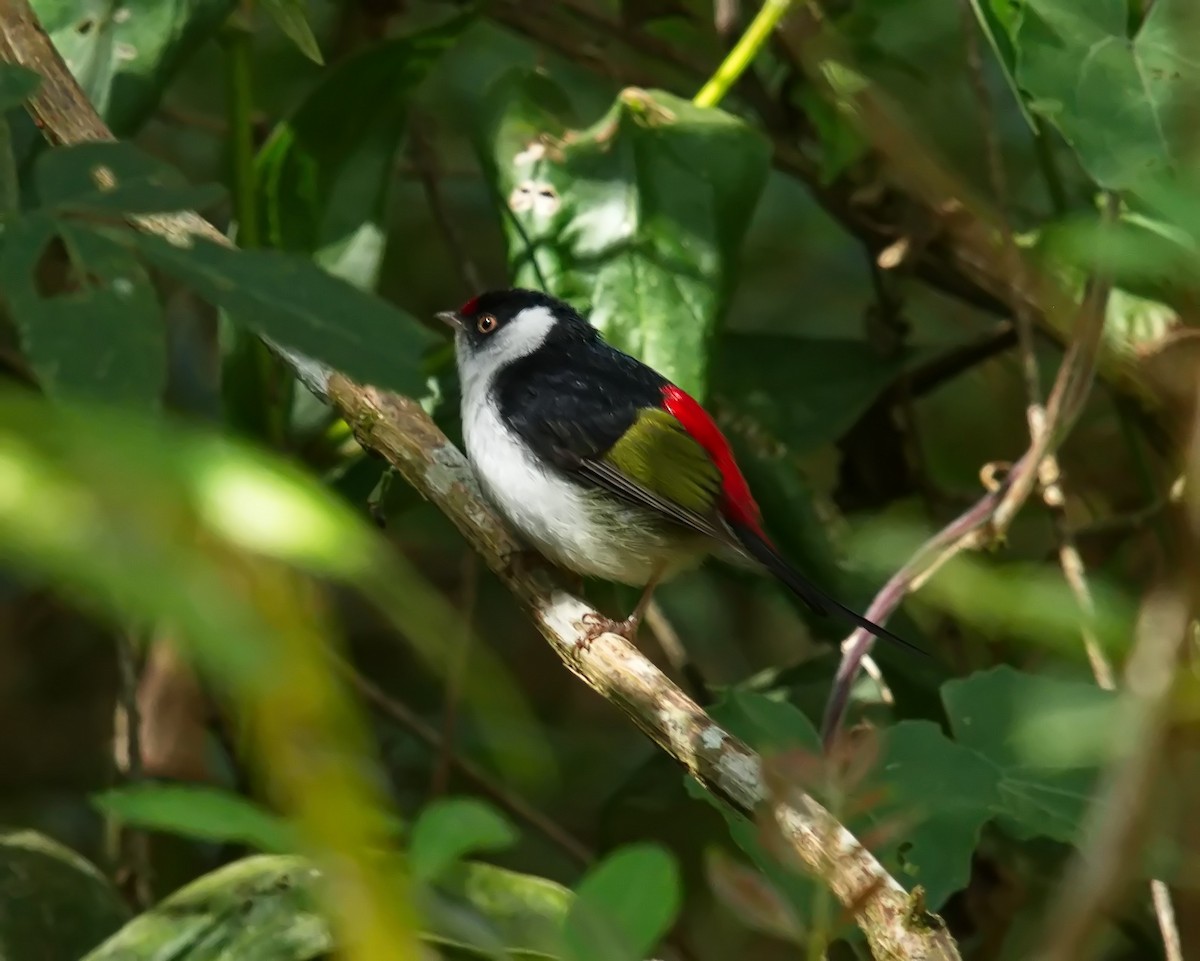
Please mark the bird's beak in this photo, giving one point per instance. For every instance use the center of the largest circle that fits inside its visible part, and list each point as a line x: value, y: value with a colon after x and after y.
x: 450, y: 319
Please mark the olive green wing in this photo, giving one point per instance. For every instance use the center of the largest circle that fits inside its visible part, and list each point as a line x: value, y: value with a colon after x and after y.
x: 657, y: 464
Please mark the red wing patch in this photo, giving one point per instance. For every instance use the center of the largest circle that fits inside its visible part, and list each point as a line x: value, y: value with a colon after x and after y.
x: 739, y: 504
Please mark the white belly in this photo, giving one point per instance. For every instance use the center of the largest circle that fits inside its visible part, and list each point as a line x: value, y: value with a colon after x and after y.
x: 580, y: 529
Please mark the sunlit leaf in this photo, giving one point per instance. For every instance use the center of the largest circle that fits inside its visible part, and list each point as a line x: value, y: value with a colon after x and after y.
x: 122, y: 52
x: 640, y: 217
x: 1121, y: 104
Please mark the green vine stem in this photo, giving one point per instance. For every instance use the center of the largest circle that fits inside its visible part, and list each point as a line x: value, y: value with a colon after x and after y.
x: 743, y: 53
x: 257, y: 391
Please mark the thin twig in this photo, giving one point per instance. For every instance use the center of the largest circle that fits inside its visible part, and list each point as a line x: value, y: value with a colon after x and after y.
x: 137, y: 841
x: 989, y: 517
x: 517, y: 806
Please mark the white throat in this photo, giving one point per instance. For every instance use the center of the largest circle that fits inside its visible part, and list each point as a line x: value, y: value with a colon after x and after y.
x: 518, y: 338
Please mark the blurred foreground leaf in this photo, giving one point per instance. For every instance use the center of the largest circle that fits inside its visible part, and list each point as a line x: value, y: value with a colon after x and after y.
x: 195, y: 811
x: 640, y: 217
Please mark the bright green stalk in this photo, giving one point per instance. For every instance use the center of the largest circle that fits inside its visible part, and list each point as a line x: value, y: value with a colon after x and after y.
x: 743, y: 54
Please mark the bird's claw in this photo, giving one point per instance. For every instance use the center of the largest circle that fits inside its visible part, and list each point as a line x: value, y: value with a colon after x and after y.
x: 595, y: 624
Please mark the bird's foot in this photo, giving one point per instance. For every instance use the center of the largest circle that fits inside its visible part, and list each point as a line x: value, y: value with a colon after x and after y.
x: 596, y: 624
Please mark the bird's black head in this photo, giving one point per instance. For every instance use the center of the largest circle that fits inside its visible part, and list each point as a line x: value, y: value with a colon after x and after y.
x: 499, y: 326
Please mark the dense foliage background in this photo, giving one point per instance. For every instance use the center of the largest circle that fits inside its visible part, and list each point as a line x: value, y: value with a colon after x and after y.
x: 222, y: 689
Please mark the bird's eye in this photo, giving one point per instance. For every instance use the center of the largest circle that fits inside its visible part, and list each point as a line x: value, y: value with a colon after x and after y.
x: 485, y: 324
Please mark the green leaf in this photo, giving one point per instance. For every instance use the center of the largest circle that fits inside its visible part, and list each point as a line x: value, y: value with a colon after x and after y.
x: 326, y: 172
x: 74, y: 904
x: 937, y: 795
x: 805, y: 391
x: 102, y: 337
x: 998, y: 20
x: 523, y: 913
x: 17, y: 85
x: 767, y: 724
x: 208, y: 814
x: 290, y: 17
x: 261, y: 907
x: 1044, y: 737
x: 639, y: 218
x: 123, y: 52
x: 1121, y: 104
x: 296, y: 303
x: 449, y: 829
x: 624, y: 905
x: 108, y: 178
x: 264, y: 908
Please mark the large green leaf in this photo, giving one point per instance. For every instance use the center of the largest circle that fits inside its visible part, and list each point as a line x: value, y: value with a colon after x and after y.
x: 624, y: 905
x: 1043, y: 736
x: 524, y: 913
x: 295, y: 302
x: 937, y: 795
x: 99, y: 338
x: 639, y: 217
x: 123, y: 52
x: 115, y: 178
x: 1120, y: 103
x: 326, y: 171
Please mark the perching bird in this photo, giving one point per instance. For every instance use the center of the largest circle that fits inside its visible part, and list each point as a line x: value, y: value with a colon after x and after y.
x: 598, y: 461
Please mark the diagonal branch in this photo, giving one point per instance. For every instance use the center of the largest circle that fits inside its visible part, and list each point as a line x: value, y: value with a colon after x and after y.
x: 398, y: 429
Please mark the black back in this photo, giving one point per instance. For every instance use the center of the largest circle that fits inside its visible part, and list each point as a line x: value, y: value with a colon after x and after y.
x: 575, y: 396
